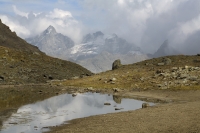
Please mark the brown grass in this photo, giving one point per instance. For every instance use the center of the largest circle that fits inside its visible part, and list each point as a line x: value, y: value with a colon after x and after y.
x: 129, y: 76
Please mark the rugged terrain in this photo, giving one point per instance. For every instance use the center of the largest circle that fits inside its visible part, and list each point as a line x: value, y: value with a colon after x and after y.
x: 171, y: 72
x: 177, y: 108
x: 172, y: 82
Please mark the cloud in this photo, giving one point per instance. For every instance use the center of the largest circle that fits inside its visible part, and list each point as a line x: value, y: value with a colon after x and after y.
x: 15, y: 26
x: 185, y: 30
x: 147, y: 23
x: 18, y: 12
x: 31, y: 24
x: 57, y: 13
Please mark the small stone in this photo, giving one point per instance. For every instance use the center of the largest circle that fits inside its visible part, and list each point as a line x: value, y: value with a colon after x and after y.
x: 36, y: 53
x: 116, y: 89
x: 161, y: 64
x: 76, y: 77
x: 1, y: 78
x: 164, y: 88
x: 174, y: 69
x: 14, y: 123
x: 160, y: 85
x: 186, y: 67
x: 113, y: 79
x: 112, y: 82
x: 142, y: 79
x: 182, y: 76
x: 50, y: 77
x: 90, y: 89
x: 193, y: 78
x: 145, y: 105
x: 159, y: 71
x: 74, y: 94
x: 118, y: 108
x: 167, y: 61
x: 107, y: 104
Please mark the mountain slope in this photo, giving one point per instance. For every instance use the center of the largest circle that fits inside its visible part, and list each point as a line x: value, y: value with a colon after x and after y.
x: 165, y: 50
x: 28, y: 65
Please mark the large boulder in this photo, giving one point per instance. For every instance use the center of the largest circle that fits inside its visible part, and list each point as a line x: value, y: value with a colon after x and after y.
x: 116, y: 64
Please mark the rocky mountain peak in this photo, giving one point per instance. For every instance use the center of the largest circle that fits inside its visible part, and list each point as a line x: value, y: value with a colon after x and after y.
x: 50, y: 30
x: 165, y: 44
x: 165, y: 49
x: 98, y: 34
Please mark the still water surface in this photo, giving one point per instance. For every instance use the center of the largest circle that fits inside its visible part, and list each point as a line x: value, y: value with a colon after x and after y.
x: 37, y: 117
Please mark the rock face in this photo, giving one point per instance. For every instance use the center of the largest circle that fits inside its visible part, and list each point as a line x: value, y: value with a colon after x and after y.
x: 29, y: 65
x: 96, y: 52
x: 51, y: 42
x: 116, y: 64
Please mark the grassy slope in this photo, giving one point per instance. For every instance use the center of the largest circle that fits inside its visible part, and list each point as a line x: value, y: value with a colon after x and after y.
x: 139, y: 75
x: 26, y: 67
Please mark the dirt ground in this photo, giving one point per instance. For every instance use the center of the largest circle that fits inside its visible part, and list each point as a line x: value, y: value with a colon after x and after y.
x: 182, y: 115
x: 175, y: 112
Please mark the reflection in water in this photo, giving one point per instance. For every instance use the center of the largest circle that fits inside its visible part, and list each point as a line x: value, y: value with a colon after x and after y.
x: 33, y: 118
x: 117, y: 99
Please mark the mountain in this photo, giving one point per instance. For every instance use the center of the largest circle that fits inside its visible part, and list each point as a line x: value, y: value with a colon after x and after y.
x: 51, y: 42
x: 90, y: 53
x: 96, y: 43
x: 98, y: 51
x: 165, y: 49
x: 22, y: 63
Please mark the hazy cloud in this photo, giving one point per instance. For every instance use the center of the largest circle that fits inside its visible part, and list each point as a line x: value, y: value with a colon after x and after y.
x: 18, y: 12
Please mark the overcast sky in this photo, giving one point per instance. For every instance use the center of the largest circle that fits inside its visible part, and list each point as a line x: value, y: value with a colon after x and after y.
x: 146, y: 23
